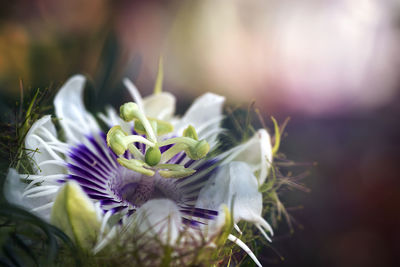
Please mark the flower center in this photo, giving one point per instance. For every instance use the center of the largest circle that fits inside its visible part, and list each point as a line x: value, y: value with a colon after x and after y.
x: 139, y: 193
x: 136, y: 188
x: 94, y: 166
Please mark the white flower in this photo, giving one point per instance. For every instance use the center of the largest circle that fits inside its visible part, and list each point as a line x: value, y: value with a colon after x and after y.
x: 192, y: 201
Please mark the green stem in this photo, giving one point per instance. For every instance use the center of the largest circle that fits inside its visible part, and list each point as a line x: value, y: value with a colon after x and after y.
x: 167, y: 155
x: 179, y: 140
x: 137, y: 138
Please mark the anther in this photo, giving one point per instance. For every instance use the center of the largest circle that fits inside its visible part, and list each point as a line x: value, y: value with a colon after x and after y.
x: 190, y: 132
x: 119, y: 141
x: 160, y: 127
x: 131, y: 111
x: 194, y: 149
x: 174, y: 171
x: 135, y: 165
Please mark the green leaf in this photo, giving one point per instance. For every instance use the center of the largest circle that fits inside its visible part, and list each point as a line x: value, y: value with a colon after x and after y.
x: 227, y: 227
x: 75, y: 214
x: 277, y: 137
x: 264, y: 188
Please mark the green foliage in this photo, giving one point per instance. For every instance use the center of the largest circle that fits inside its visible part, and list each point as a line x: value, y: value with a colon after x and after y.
x: 241, y: 125
x: 26, y: 240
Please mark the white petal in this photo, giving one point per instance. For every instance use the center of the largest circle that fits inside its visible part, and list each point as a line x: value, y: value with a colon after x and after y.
x: 238, y: 229
x: 245, y: 248
x: 234, y: 182
x: 214, y: 227
x: 44, y: 207
x: 134, y: 92
x: 203, y: 110
x: 70, y: 109
x: 160, y: 217
x: 160, y: 106
x: 13, y: 188
x: 111, y: 118
x: 257, y: 152
x: 107, y: 239
x: 13, y: 192
x: 41, y: 133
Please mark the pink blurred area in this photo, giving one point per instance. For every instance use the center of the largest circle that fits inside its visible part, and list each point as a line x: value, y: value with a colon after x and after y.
x: 309, y: 56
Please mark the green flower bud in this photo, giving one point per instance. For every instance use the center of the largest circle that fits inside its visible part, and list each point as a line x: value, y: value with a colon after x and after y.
x: 75, y: 214
x: 153, y: 156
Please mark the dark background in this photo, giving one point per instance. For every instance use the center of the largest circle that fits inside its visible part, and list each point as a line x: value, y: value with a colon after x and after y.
x: 350, y: 216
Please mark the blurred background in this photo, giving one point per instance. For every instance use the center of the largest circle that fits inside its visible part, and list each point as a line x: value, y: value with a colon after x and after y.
x: 330, y: 65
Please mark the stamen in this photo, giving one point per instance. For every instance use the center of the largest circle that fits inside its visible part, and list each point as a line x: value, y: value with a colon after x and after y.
x: 170, y: 153
x: 159, y: 126
x: 130, y: 111
x: 190, y: 132
x: 135, y: 151
x: 153, y: 125
x: 193, y: 148
x: 174, y: 171
x: 135, y: 165
x: 118, y: 140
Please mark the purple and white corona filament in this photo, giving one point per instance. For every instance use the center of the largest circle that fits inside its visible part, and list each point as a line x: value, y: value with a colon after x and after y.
x: 148, y: 157
x: 118, y: 189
